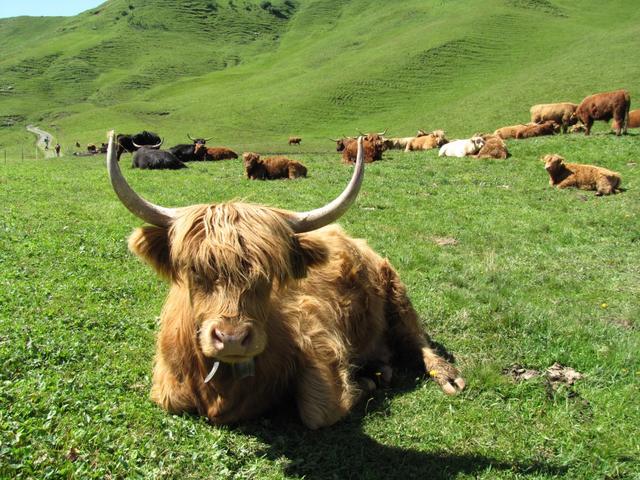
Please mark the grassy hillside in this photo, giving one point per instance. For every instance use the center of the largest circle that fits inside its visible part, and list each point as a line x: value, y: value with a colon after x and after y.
x: 502, y: 269
x: 251, y: 74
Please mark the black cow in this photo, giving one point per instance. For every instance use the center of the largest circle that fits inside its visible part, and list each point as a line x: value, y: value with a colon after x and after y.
x: 131, y: 143
x: 188, y: 152
x: 152, y: 159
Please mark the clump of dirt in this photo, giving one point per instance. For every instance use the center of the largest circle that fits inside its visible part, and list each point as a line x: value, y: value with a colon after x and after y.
x: 555, y: 375
x: 558, y: 374
x: 445, y: 241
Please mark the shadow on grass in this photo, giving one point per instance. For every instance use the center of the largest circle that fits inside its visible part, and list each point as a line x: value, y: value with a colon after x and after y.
x: 345, y: 451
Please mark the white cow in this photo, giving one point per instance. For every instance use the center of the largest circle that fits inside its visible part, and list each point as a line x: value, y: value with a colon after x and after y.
x: 461, y: 148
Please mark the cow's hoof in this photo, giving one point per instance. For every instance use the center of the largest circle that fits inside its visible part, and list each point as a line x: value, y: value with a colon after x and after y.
x: 449, y: 379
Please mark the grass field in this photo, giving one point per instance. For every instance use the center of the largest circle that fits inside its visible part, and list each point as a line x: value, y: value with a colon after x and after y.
x: 503, y: 269
x: 536, y: 276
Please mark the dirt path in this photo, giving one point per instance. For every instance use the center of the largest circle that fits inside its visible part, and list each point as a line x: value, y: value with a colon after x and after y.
x: 42, y: 143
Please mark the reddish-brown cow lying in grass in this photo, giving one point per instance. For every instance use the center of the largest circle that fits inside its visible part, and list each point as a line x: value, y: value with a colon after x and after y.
x: 271, y: 168
x: 217, y: 153
x: 538, y: 130
x: 585, y: 177
x: 267, y: 304
x: 512, y: 130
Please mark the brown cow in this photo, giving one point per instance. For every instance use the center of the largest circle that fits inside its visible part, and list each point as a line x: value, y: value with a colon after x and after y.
x: 561, y: 113
x: 271, y: 168
x: 294, y: 140
x: 605, y: 106
x: 374, y: 145
x: 494, y: 147
x: 372, y: 151
x: 634, y: 119
x: 512, y: 130
x: 427, y: 141
x: 274, y: 304
x: 216, y: 153
x: 538, y: 130
x: 585, y: 177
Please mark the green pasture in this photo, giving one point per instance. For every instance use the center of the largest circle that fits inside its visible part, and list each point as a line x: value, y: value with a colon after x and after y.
x: 530, y: 276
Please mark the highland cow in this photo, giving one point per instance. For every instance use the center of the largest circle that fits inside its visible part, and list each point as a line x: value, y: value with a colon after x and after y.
x: 494, y: 147
x: 267, y: 304
x: 605, y: 106
x: 219, y: 153
x: 511, y: 131
x: 538, y: 130
x: 585, y: 177
x: 427, y: 141
x: 271, y: 168
x: 461, y: 148
x: 561, y: 113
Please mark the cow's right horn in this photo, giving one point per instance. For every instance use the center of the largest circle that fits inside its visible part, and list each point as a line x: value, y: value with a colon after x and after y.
x: 147, y: 211
x: 312, y: 220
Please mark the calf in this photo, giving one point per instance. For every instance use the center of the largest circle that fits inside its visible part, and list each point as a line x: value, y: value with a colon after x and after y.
x: 494, y: 147
x: 427, y: 141
x: 462, y: 148
x: 512, y: 130
x: 547, y: 128
x: 271, y: 168
x: 294, y: 140
x: 585, y: 177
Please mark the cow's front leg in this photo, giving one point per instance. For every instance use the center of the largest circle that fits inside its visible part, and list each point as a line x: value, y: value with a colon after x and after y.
x: 326, y: 393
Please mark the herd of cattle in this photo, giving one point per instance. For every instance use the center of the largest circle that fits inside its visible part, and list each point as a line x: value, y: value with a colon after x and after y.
x: 546, y: 119
x: 267, y: 304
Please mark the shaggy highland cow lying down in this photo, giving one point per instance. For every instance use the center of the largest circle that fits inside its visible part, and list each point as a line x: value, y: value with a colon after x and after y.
x: 274, y: 304
x: 271, y: 168
x: 494, y: 147
x: 585, y: 177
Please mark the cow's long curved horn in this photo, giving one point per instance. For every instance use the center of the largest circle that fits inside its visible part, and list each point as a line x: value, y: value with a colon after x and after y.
x: 306, y: 221
x: 382, y: 133
x: 363, y: 134
x: 157, y: 145
x: 207, y: 139
x: 147, y: 211
x: 191, y: 138
x: 333, y: 139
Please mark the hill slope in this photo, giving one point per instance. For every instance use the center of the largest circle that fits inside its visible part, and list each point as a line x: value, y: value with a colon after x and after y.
x: 311, y: 67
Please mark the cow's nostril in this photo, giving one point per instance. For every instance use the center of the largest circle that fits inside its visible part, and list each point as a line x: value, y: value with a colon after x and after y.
x: 247, y: 339
x: 218, y: 335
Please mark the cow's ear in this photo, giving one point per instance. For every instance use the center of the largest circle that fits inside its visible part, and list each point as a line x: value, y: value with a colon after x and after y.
x: 151, y: 244
x: 307, y: 251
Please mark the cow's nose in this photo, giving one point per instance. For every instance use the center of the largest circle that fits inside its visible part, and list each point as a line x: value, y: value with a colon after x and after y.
x: 232, y: 342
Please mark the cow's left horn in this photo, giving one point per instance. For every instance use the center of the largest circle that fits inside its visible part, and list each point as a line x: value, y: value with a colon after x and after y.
x: 147, y: 211
x: 307, y: 221
x: 382, y: 133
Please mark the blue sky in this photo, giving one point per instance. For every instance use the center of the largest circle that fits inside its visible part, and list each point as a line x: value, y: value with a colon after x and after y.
x: 38, y: 8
